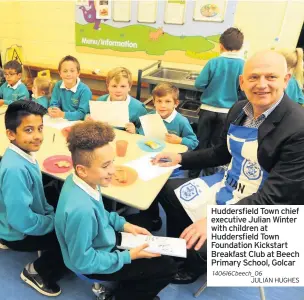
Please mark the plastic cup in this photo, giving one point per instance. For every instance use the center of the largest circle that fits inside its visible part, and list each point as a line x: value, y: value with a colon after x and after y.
x: 121, y: 148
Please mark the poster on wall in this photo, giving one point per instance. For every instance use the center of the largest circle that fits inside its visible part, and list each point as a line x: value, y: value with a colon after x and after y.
x: 146, y: 11
x: 149, y: 30
x: 103, y: 9
x: 175, y: 12
x: 209, y: 10
x: 122, y: 11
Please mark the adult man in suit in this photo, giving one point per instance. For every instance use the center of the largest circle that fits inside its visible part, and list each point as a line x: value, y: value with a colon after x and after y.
x: 263, y: 142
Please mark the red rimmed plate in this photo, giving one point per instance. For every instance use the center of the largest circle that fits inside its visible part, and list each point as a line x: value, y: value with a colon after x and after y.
x: 58, y: 164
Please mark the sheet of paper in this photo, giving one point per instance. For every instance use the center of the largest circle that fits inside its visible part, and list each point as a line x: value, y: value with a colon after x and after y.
x: 121, y: 10
x: 116, y: 113
x: 175, y: 12
x: 157, y: 244
x: 103, y: 9
x: 58, y: 123
x: 146, y: 171
x: 146, y: 11
x: 153, y: 126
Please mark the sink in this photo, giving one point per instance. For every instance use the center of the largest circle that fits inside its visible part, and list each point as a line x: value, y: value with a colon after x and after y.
x: 167, y: 73
x: 192, y: 76
x: 183, y: 79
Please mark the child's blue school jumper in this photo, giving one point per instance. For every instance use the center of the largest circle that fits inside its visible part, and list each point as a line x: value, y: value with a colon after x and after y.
x: 73, y: 102
x: 294, y: 91
x: 136, y: 108
x: 13, y: 93
x: 44, y: 101
x: 179, y: 125
x: 86, y: 231
x: 219, y: 80
x: 23, y: 207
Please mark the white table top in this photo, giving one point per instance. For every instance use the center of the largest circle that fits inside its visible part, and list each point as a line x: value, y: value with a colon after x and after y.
x: 139, y: 195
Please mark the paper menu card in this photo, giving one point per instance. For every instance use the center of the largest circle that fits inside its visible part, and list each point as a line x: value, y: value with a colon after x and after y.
x: 157, y: 244
x: 153, y: 126
x: 116, y: 113
x: 58, y: 123
x: 146, y: 171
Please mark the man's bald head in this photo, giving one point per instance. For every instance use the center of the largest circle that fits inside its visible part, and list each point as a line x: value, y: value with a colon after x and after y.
x: 264, y: 79
x: 266, y: 58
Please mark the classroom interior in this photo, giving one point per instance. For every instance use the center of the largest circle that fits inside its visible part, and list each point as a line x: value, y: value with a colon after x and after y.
x: 40, y: 33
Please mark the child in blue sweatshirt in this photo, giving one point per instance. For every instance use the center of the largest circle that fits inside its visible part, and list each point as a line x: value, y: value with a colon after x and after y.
x: 294, y: 61
x: 70, y: 97
x: 165, y: 97
x: 42, y: 90
x: 88, y: 234
x: 119, y: 83
x: 219, y: 81
x: 26, y: 219
x: 13, y: 89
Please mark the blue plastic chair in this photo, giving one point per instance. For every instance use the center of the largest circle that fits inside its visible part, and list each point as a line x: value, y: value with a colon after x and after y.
x: 98, y: 289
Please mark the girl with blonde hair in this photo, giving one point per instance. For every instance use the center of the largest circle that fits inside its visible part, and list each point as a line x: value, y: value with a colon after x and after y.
x: 42, y: 91
x: 294, y: 61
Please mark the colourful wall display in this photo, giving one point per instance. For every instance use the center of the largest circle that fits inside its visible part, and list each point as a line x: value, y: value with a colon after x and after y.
x: 172, y: 30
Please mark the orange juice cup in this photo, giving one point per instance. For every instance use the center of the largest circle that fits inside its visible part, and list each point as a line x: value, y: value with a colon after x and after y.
x: 121, y: 148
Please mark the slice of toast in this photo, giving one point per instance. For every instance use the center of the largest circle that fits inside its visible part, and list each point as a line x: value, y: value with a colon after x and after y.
x: 62, y: 164
x: 152, y: 145
x: 121, y: 176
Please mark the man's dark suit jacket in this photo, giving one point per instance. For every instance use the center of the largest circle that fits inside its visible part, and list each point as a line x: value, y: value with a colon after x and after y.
x: 280, y: 153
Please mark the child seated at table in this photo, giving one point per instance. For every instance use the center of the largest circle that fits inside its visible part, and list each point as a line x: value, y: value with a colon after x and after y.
x: 70, y: 97
x: 13, y: 89
x: 42, y: 90
x: 119, y: 83
x: 26, y: 219
x: 165, y: 98
x: 88, y: 234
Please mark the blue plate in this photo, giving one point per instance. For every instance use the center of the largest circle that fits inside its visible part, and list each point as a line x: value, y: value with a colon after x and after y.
x: 142, y: 146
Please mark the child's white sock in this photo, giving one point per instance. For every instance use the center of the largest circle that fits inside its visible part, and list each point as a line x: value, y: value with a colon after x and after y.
x: 30, y: 268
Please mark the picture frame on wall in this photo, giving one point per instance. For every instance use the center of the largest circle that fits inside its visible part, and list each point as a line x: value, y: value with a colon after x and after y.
x: 210, y: 10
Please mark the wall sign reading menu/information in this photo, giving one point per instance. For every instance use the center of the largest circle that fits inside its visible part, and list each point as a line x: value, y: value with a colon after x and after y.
x: 175, y: 12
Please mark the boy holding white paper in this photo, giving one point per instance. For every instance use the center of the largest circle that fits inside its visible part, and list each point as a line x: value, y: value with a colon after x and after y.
x: 165, y: 97
x: 88, y: 234
x: 119, y: 82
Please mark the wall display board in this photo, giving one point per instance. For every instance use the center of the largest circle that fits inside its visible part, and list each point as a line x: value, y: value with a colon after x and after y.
x: 170, y: 30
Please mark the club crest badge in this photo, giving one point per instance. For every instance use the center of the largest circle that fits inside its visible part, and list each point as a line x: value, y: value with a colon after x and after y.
x: 188, y: 192
x: 252, y: 170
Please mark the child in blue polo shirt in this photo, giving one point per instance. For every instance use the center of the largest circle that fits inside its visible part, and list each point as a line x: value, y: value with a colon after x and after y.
x: 219, y: 81
x: 26, y: 219
x: 13, y: 89
x: 165, y: 97
x: 119, y: 83
x: 42, y: 91
x: 294, y: 59
x: 88, y: 233
x: 70, y: 97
